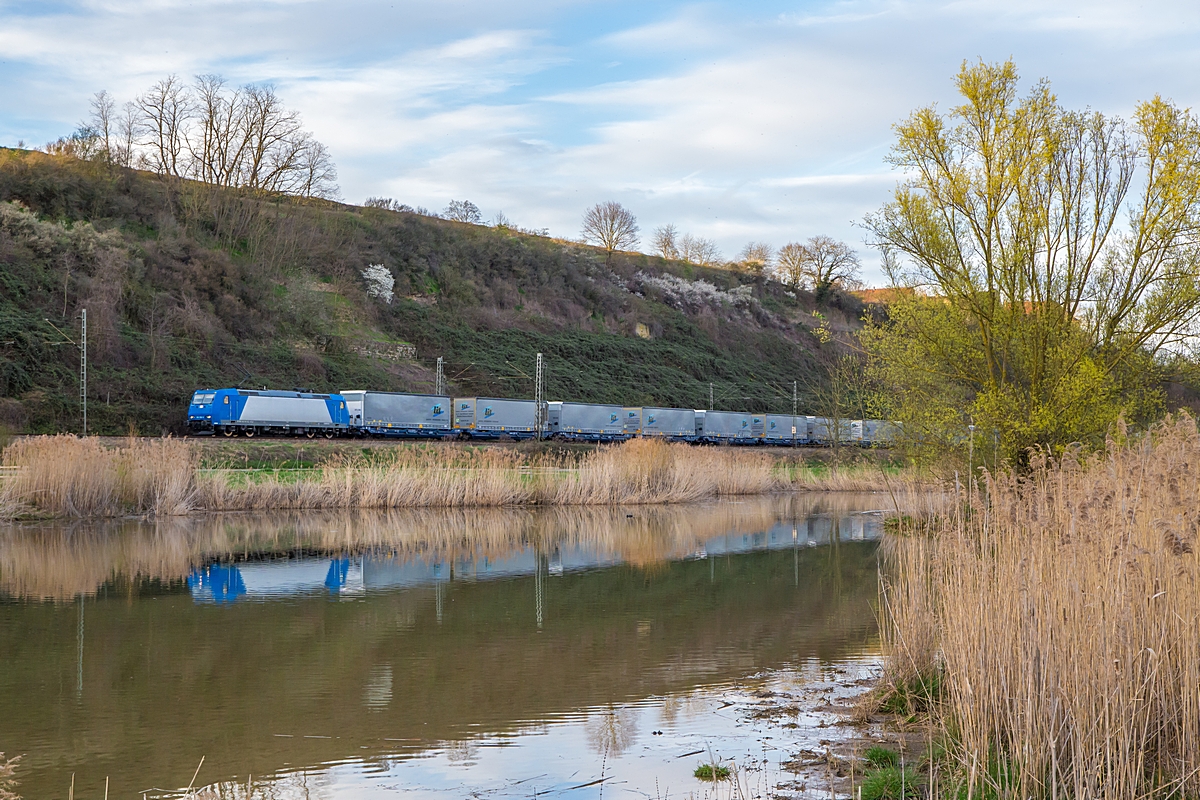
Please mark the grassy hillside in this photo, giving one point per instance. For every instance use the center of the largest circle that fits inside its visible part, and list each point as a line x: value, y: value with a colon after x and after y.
x: 188, y: 286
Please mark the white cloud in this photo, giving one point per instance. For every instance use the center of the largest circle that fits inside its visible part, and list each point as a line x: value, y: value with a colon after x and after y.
x: 732, y: 122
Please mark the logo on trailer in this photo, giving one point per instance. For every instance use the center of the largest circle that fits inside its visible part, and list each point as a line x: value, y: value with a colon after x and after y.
x: 487, y: 411
x: 613, y: 417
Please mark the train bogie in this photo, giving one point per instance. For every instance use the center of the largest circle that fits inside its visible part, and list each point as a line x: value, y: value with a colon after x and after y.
x: 395, y: 414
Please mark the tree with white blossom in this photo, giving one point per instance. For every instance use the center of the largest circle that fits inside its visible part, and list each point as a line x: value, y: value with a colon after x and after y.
x: 380, y: 282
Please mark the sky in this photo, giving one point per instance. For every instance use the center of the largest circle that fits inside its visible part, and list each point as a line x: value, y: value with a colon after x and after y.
x: 737, y: 121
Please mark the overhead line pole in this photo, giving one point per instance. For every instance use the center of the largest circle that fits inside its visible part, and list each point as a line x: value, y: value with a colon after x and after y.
x: 83, y: 366
x: 439, y: 386
x: 540, y: 415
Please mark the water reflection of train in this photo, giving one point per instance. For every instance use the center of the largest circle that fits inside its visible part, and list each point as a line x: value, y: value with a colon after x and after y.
x: 350, y: 576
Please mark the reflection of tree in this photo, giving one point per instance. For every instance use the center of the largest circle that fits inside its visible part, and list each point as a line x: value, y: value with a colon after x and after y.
x: 612, y: 731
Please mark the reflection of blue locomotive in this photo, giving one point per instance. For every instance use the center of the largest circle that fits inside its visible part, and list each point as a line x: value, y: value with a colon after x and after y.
x: 227, y: 583
x: 249, y: 412
x: 346, y: 577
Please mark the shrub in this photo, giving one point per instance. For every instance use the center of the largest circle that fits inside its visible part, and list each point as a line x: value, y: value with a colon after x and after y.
x: 712, y: 772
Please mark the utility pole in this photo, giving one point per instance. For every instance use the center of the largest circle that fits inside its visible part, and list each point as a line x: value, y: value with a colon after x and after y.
x: 83, y: 366
x: 710, y: 396
x: 439, y: 385
x: 540, y: 414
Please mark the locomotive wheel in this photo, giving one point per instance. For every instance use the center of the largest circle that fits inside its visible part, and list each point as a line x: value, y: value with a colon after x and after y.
x: 329, y: 434
x: 227, y: 431
x: 310, y: 433
x: 249, y: 433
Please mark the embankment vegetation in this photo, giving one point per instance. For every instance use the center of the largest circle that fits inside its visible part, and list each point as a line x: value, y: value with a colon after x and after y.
x: 1049, y: 627
x: 67, y: 476
x: 188, y: 284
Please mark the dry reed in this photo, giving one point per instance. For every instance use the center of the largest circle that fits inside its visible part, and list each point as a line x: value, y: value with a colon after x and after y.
x: 1062, y: 618
x: 73, y: 477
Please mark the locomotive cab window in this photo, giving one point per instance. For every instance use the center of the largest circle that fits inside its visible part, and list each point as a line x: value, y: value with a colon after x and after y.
x: 226, y: 399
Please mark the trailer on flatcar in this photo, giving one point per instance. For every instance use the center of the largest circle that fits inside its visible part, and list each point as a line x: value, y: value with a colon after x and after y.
x: 250, y: 412
x: 495, y: 417
x: 585, y: 421
x: 397, y: 414
x: 672, y: 424
x: 784, y: 429
x: 730, y: 427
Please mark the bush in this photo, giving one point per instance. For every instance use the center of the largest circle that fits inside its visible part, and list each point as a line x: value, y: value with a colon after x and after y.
x: 712, y: 772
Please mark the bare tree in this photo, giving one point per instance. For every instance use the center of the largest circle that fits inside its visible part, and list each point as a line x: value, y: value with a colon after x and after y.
x: 828, y: 263
x: 219, y: 144
x: 318, y: 174
x: 463, y: 211
x: 236, y: 138
x: 273, y: 145
x: 698, y: 250
x: 104, y: 120
x: 610, y: 225
x: 164, y: 112
x: 664, y: 241
x: 126, y: 135
x: 790, y: 264
x: 756, y: 258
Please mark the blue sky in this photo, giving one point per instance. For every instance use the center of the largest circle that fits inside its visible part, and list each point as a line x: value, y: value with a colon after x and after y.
x: 764, y: 121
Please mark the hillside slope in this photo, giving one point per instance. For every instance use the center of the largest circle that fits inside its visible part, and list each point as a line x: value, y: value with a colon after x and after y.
x: 188, y: 286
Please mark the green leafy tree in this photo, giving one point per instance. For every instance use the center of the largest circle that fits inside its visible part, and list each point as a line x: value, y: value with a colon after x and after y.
x: 1051, y: 257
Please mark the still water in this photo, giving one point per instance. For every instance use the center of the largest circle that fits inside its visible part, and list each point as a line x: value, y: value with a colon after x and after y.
x: 497, y: 653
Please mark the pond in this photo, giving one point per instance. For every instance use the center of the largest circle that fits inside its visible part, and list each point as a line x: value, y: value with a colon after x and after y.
x: 503, y: 653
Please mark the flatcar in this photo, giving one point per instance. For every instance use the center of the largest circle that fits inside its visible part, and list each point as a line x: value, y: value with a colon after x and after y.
x: 250, y: 412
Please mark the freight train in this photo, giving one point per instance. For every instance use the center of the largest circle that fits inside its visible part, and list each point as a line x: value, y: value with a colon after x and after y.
x: 357, y: 412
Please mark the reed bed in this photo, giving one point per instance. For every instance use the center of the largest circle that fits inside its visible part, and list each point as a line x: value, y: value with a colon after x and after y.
x: 1053, y: 624
x: 65, y: 476
x: 73, y: 477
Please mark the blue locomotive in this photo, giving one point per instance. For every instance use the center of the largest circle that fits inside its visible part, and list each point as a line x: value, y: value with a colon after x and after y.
x: 250, y: 412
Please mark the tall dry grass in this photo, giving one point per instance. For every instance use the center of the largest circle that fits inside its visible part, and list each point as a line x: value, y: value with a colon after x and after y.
x: 1063, y: 619
x: 636, y: 472
x: 73, y: 477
